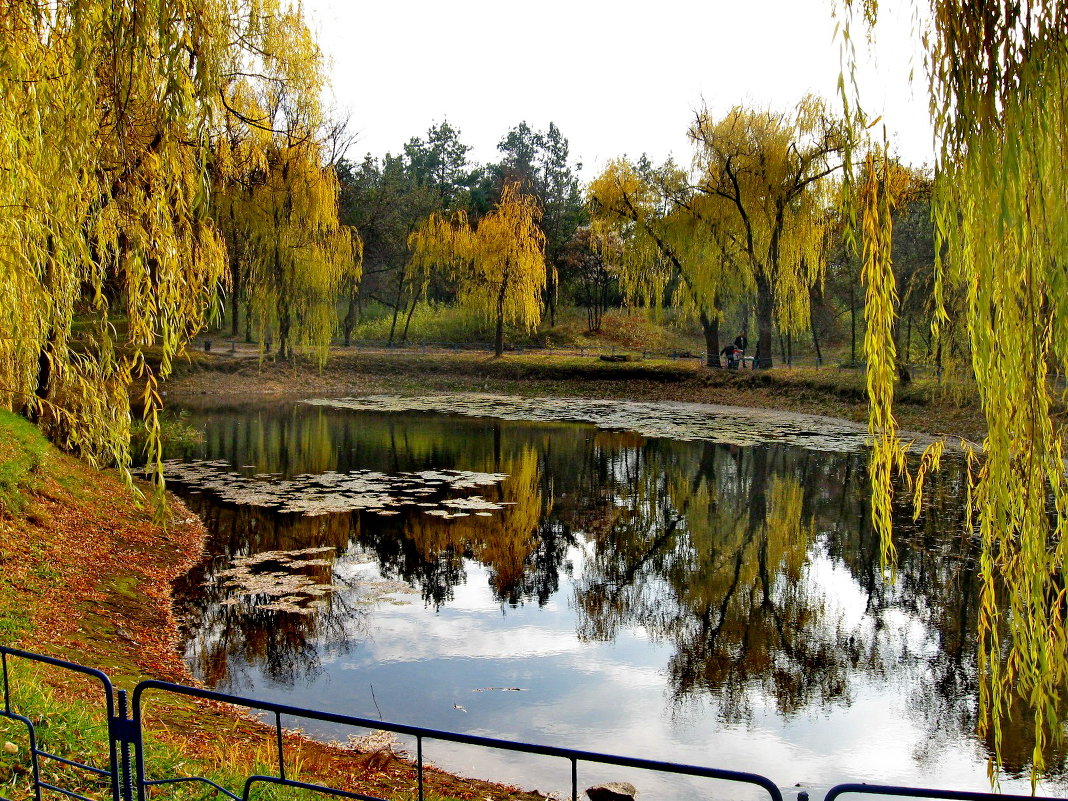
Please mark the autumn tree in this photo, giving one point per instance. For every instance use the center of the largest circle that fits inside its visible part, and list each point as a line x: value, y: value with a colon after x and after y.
x: 540, y: 162
x: 384, y: 201
x: 668, y: 254
x: 764, y: 182
x: 499, y: 263
x: 588, y: 265
x: 104, y: 197
x: 998, y: 100
x: 440, y: 162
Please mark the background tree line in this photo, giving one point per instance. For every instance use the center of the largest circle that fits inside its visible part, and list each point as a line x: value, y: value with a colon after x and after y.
x: 754, y: 239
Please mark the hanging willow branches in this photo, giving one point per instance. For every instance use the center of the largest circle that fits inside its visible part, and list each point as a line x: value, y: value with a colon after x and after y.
x: 499, y: 264
x: 109, y: 256
x: 752, y: 213
x: 999, y: 93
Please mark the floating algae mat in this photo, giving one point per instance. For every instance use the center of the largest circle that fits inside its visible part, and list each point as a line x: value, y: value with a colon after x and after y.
x: 332, y: 492
x: 276, y: 576
x: 729, y: 425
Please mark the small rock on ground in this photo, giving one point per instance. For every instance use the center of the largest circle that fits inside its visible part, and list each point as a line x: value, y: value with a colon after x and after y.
x: 612, y: 791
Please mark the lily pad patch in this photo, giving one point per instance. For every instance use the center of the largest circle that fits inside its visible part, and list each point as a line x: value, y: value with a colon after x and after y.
x: 335, y: 493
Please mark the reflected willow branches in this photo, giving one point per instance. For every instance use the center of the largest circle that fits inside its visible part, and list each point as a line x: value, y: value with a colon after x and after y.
x: 756, y: 567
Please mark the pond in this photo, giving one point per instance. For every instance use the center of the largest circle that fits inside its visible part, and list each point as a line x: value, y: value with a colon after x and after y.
x: 671, y: 581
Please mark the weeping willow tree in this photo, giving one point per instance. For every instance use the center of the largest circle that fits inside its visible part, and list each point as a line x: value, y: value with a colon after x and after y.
x: 999, y: 94
x: 293, y: 254
x: 499, y: 264
x: 107, y: 247
x: 765, y: 182
x: 666, y: 250
x: 752, y: 215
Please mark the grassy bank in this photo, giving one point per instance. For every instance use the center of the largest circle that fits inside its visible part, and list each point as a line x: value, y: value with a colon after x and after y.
x: 86, y: 577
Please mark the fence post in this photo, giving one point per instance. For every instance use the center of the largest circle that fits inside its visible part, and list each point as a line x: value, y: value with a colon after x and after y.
x: 123, y: 730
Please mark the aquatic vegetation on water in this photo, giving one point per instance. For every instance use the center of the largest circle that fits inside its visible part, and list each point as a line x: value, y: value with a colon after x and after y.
x: 332, y: 492
x: 680, y: 421
x: 274, y: 575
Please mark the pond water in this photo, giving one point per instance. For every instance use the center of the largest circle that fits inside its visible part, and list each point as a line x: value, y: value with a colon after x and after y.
x: 668, y: 581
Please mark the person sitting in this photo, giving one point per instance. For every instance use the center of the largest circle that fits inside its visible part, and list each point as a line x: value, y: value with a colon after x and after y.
x: 741, y: 343
x: 732, y: 355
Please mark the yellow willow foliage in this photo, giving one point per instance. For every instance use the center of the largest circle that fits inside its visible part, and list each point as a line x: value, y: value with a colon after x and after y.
x: 766, y: 183
x: 999, y: 96
x: 656, y: 233
x: 294, y: 253
x: 277, y: 198
x: 499, y: 264
x: 883, y: 187
x: 107, y: 248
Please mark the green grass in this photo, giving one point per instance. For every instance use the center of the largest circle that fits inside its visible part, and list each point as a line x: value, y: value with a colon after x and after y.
x: 23, y: 450
x: 620, y: 328
x: 77, y: 730
x: 429, y: 323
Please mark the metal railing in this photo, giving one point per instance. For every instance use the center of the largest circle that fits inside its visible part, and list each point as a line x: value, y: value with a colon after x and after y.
x: 128, y: 779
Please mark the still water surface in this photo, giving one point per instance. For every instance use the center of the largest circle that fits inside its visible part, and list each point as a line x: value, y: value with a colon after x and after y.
x: 561, y: 583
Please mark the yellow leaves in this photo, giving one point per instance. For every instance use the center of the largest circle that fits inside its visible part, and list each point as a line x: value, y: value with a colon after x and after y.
x: 999, y: 99
x: 499, y: 264
x: 103, y: 195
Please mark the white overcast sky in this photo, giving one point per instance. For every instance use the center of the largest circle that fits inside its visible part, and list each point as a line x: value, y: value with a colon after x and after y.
x: 617, y: 76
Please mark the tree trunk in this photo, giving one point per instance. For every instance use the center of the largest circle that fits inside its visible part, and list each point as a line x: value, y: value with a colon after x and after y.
x: 235, y: 282
x: 815, y: 336
x: 349, y: 322
x: 765, y: 306
x: 235, y: 306
x: 852, y: 326
x: 411, y: 311
x: 285, y: 349
x: 550, y: 295
x: 498, y: 338
x: 396, y: 307
x: 710, y: 328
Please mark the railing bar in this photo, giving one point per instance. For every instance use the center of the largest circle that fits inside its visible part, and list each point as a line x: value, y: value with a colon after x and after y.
x: 574, y: 779
x: 48, y: 660
x: 73, y: 764
x: 920, y: 792
x: 69, y: 793
x: 467, y: 739
x: 281, y: 754
x: 127, y: 782
x: 419, y: 764
x: 181, y: 779
x: 318, y: 788
x: 7, y: 690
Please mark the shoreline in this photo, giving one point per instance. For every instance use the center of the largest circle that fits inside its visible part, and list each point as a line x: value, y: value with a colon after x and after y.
x: 924, y: 408
x: 111, y: 603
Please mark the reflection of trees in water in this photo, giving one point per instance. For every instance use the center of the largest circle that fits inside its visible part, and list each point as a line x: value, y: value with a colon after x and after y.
x: 285, y: 646
x: 523, y: 551
x: 710, y: 548
x: 711, y: 557
x: 524, y: 555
